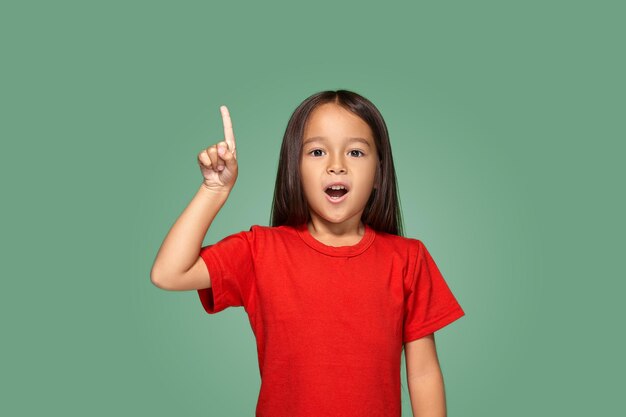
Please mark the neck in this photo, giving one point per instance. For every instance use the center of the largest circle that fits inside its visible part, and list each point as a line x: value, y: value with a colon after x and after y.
x: 349, y: 228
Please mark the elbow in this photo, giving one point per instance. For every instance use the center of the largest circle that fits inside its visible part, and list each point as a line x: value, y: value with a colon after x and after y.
x: 167, y: 280
x: 157, y: 280
x: 157, y: 283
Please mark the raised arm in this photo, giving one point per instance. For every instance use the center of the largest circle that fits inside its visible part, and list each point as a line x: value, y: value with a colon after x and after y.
x: 178, y: 265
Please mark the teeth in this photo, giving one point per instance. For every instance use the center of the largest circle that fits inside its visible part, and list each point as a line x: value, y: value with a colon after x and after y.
x: 337, y: 187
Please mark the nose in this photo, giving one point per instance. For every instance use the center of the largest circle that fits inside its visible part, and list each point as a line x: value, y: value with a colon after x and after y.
x: 336, y: 166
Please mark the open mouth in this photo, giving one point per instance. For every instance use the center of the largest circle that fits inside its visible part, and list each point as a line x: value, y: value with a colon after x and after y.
x: 336, y: 191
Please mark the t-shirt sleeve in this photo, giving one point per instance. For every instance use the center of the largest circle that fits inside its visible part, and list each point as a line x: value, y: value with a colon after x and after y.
x: 429, y: 303
x: 231, y: 268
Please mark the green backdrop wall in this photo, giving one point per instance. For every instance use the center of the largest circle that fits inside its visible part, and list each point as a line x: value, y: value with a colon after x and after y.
x: 507, y: 125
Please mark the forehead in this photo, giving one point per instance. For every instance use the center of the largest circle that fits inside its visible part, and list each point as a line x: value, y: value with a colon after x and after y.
x: 330, y: 120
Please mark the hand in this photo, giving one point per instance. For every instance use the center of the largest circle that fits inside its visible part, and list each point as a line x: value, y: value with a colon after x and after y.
x: 218, y: 163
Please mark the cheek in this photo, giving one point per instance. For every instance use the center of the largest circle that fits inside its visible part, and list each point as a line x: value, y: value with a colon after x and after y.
x: 306, y: 182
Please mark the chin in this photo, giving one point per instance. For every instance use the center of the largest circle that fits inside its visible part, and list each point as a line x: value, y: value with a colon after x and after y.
x: 336, y: 220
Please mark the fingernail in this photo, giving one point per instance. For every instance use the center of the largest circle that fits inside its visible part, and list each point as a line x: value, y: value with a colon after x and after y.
x: 221, y: 150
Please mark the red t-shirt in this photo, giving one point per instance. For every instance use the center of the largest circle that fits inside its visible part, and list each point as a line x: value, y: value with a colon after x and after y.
x: 330, y: 322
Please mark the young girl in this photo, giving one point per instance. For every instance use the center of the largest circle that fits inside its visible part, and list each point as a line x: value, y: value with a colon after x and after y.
x: 332, y: 289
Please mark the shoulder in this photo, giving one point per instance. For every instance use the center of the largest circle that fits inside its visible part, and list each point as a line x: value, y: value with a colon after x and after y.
x: 402, y: 251
x: 272, y: 230
x: 263, y: 235
x: 412, y: 250
x: 399, y: 243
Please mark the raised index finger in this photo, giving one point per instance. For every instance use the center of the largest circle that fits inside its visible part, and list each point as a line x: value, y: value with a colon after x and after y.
x: 229, y: 136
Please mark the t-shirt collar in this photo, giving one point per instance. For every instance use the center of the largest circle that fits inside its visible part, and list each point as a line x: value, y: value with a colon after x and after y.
x: 353, y: 250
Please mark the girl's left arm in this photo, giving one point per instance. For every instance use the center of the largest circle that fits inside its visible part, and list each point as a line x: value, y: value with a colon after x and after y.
x: 424, y: 377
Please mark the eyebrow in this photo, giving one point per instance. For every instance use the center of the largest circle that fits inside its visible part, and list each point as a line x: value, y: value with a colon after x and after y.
x: 322, y: 139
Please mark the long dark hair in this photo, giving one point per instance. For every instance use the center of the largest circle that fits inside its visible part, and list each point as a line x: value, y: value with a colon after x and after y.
x: 289, y: 206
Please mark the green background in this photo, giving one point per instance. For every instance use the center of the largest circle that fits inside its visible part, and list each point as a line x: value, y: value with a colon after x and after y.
x: 507, y: 126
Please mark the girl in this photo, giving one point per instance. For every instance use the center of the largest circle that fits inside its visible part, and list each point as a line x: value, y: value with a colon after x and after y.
x: 332, y: 289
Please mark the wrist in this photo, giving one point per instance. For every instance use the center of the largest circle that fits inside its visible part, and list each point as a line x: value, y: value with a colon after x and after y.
x: 218, y: 192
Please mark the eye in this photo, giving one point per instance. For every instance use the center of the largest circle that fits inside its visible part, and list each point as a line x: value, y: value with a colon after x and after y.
x: 316, y: 152
x: 359, y: 153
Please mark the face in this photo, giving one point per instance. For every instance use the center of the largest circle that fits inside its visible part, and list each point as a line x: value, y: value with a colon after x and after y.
x: 338, y: 148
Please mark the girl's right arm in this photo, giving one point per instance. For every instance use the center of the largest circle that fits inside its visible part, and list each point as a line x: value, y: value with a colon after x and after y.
x: 178, y: 265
